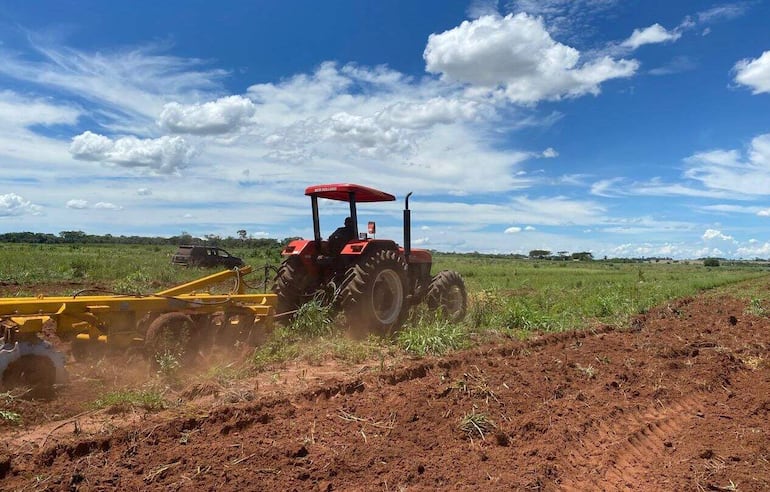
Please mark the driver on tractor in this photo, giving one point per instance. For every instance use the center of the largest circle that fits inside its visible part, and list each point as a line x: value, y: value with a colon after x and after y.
x: 341, y: 236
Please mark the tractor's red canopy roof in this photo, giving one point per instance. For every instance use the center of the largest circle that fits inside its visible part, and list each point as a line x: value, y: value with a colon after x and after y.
x: 341, y: 191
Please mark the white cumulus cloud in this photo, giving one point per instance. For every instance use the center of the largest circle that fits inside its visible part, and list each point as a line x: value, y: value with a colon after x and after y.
x: 224, y: 115
x: 754, y: 249
x: 107, y: 206
x: 650, y: 35
x: 754, y: 73
x: 164, y: 155
x: 550, y: 153
x: 715, y: 235
x: 516, y: 54
x: 12, y: 204
x: 77, y: 204
x: 513, y: 230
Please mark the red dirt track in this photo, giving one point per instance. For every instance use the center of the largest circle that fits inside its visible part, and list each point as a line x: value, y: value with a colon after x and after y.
x: 679, y: 400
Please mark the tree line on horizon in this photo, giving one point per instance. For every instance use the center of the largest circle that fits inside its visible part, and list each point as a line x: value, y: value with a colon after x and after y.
x: 243, y: 240
x: 80, y: 237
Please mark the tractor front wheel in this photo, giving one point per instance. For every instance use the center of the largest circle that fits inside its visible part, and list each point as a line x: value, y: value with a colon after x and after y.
x: 447, y: 295
x: 291, y: 283
x: 373, y: 297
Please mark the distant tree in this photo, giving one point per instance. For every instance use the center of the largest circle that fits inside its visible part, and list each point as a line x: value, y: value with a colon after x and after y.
x: 72, y: 236
x: 711, y: 262
x: 242, y: 234
x: 213, y: 239
x: 539, y: 253
x: 583, y: 256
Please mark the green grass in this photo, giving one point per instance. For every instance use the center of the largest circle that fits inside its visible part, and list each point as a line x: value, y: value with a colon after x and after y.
x: 507, y: 297
x: 313, y: 319
x: 554, y: 296
x: 430, y: 335
x: 127, y: 399
x: 121, y: 268
x: 285, y: 344
x: 10, y: 417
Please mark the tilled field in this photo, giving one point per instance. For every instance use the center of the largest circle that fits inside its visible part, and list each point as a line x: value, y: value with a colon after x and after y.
x: 679, y: 400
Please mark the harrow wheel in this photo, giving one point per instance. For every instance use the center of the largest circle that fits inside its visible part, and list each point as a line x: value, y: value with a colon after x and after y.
x: 172, y: 335
x: 447, y: 295
x: 373, y: 296
x: 36, y: 372
x: 32, y: 364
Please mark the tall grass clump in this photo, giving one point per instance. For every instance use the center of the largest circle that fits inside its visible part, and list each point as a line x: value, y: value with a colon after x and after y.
x: 483, y: 309
x: 313, y: 319
x: 522, y: 316
x: 126, y: 399
x: 431, y: 335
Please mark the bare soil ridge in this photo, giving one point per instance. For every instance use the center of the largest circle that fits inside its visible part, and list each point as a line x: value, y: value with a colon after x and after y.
x: 678, y: 401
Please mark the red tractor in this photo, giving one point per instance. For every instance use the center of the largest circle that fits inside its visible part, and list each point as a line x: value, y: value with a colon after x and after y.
x: 374, y: 282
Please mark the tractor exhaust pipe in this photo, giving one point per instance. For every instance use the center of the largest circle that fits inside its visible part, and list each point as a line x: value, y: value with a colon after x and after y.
x: 407, y: 228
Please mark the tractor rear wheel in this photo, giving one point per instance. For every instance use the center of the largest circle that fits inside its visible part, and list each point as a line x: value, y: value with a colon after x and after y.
x: 373, y: 296
x: 291, y: 283
x: 447, y: 295
x: 173, y: 336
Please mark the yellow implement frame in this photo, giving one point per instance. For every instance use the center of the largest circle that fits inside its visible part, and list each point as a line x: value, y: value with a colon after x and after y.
x: 118, y: 319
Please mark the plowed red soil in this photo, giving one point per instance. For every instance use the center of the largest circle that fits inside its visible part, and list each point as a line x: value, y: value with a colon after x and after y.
x: 678, y: 400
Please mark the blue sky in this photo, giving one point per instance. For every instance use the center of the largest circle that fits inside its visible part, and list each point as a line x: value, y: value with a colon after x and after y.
x: 624, y: 128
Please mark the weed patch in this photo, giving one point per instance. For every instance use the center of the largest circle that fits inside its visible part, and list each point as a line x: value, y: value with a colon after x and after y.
x: 313, y: 319
x: 127, y: 399
x: 6, y: 416
x: 432, y: 336
x: 475, y: 424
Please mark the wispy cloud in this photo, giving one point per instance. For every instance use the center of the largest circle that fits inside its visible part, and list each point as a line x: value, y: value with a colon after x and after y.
x: 653, y: 34
x: 677, y: 64
x: 133, y: 83
x: 733, y: 171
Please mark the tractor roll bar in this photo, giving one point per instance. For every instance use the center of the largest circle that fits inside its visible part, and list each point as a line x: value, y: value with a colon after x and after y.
x: 353, y: 214
x: 407, y: 228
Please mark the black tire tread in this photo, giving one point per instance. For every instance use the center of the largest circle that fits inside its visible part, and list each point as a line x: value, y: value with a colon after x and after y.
x: 357, y: 286
x: 441, y: 284
x: 290, y: 284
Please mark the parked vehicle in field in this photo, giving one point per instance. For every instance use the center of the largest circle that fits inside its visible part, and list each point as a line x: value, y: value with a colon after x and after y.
x: 372, y: 281
x: 205, y: 256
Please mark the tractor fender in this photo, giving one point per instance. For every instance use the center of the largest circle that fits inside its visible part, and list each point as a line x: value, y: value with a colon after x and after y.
x: 419, y: 256
x: 358, y: 248
x: 306, y: 249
